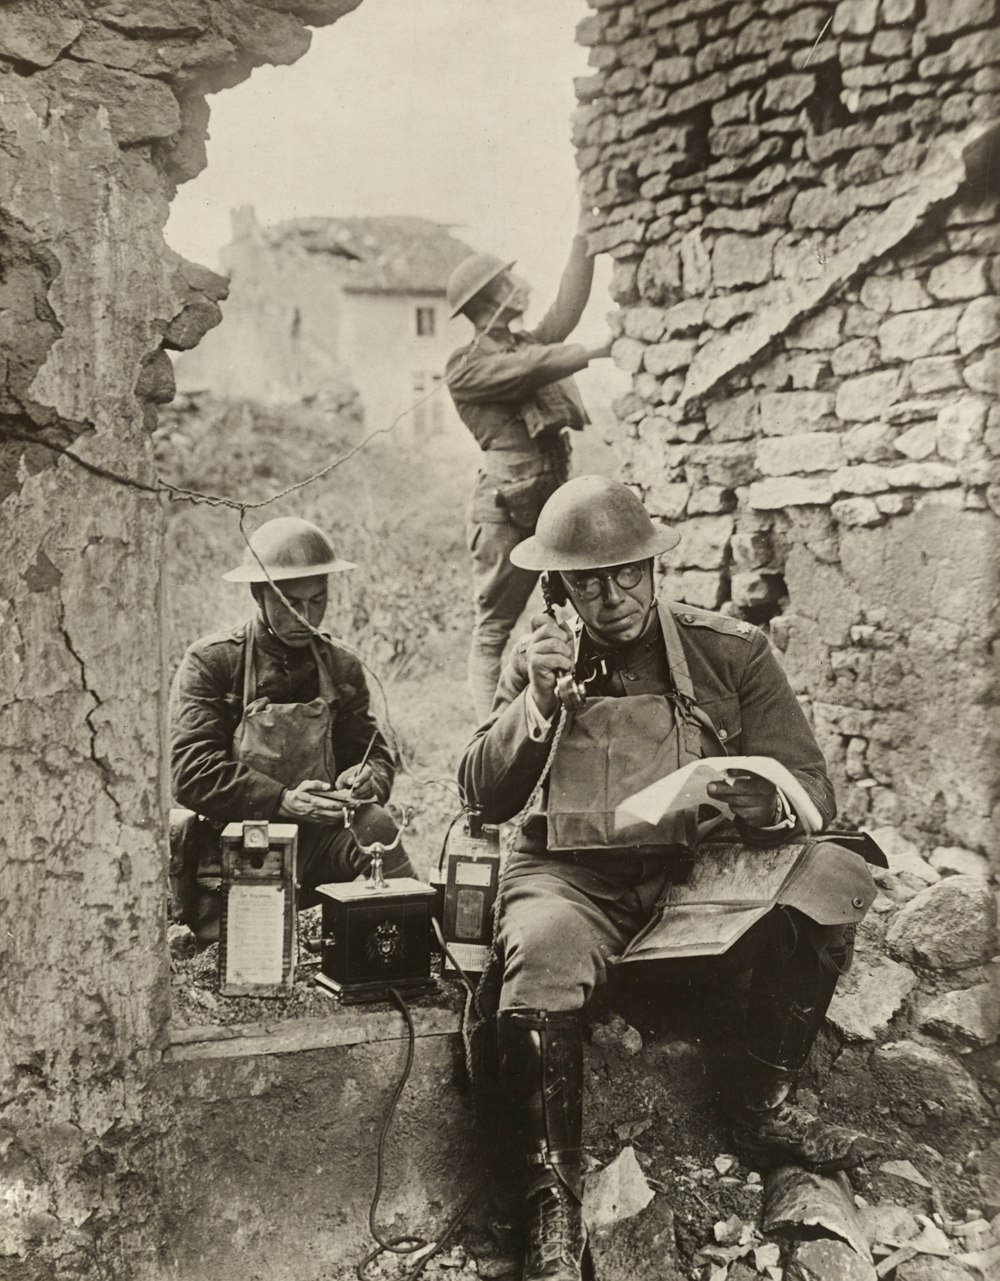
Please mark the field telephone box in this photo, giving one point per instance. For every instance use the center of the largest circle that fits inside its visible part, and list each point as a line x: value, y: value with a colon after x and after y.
x: 257, y: 927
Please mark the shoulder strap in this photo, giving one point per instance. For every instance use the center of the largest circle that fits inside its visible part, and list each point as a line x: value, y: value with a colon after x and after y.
x: 683, y: 684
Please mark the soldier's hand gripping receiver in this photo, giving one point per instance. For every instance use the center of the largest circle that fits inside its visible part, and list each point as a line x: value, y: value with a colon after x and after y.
x: 569, y: 691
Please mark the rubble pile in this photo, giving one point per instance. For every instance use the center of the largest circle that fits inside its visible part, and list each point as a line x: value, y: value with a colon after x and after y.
x: 806, y: 270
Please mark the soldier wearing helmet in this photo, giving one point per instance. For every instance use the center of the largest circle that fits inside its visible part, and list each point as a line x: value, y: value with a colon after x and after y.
x: 657, y: 685
x: 514, y: 391
x: 271, y: 720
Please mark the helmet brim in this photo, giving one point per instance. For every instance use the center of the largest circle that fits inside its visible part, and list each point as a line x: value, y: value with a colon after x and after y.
x: 536, y: 555
x: 282, y: 573
x: 469, y: 294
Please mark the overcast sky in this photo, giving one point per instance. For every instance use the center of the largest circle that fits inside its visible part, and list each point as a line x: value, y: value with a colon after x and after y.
x: 456, y: 110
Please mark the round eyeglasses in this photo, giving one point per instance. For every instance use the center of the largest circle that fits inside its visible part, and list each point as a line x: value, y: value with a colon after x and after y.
x: 588, y: 586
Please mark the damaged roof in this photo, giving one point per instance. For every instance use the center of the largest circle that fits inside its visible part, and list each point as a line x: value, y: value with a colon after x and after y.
x: 396, y: 254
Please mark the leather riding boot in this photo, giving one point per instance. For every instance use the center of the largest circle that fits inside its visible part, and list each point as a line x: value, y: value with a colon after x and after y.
x: 541, y: 1076
x: 794, y: 977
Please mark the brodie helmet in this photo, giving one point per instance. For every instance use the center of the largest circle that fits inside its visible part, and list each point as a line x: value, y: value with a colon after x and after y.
x: 591, y: 522
x: 289, y: 547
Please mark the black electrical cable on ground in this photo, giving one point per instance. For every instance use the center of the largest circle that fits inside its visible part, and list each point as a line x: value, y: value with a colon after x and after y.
x: 406, y: 1244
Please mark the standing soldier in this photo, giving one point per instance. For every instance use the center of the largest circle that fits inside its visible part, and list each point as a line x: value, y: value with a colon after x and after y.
x: 515, y: 393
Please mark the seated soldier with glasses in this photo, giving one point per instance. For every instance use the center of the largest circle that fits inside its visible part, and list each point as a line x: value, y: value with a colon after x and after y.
x: 648, y: 686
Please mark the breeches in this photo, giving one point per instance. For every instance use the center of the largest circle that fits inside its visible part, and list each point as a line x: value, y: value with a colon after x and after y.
x: 500, y: 593
x: 561, y: 921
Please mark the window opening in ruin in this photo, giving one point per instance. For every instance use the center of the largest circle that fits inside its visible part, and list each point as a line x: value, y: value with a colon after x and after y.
x: 426, y: 322
x: 826, y: 108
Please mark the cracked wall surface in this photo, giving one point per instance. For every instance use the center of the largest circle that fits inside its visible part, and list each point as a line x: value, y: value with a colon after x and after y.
x: 102, y: 112
x: 802, y: 200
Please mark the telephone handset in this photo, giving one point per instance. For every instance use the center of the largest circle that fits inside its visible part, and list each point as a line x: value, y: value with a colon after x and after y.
x: 569, y: 691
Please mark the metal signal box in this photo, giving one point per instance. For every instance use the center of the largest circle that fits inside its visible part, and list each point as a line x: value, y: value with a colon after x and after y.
x: 471, y: 877
x: 375, y: 937
x: 257, y: 929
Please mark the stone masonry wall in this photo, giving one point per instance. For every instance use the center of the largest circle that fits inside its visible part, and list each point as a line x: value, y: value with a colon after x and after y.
x: 803, y: 218
x: 102, y: 112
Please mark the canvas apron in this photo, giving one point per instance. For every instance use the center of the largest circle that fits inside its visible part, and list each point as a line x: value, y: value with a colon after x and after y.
x: 613, y: 747
x: 289, y: 742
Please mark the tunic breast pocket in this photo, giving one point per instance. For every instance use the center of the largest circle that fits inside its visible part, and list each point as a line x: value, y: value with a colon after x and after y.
x: 725, y: 715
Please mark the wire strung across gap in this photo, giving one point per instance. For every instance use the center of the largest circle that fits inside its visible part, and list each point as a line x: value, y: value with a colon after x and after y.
x: 178, y: 493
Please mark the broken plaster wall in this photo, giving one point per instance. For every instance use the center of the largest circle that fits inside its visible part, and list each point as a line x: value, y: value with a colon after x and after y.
x: 103, y: 112
x: 803, y: 212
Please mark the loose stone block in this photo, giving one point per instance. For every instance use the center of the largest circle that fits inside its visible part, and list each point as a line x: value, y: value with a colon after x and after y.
x: 855, y: 17
x: 668, y: 499
x: 729, y: 465
x: 741, y: 260
x: 695, y: 264
x: 959, y: 426
x: 36, y: 39
x: 819, y: 332
x: 750, y: 590
x: 659, y: 275
x: 869, y: 396
x: 971, y: 1015
x: 789, y: 491
x: 924, y: 476
x: 695, y: 587
x: 734, y: 418
x: 856, y: 512
x: 935, y: 373
x: 886, y: 293
x: 984, y: 374
x: 788, y: 93
x: 733, y: 140
x: 665, y: 358
x: 943, y: 17
x: 783, y: 413
x: 627, y: 353
x: 855, y: 357
x: 919, y: 333
x: 961, y: 276
x: 647, y: 323
x: 949, y: 925
x: 710, y: 499
x: 869, y: 443
x: 919, y: 442
x: 898, y: 11
x: 686, y: 318
x: 979, y: 325
x: 704, y: 540
x: 821, y: 208
x: 865, y: 478
x: 869, y: 995
x: 955, y: 860
x: 800, y: 452
x: 917, y: 1075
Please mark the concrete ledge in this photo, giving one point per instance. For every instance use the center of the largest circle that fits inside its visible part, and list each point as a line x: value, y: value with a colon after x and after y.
x: 344, y: 1026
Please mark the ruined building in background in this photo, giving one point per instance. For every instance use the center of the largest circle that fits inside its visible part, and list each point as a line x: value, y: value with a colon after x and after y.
x: 313, y: 299
x: 804, y: 219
